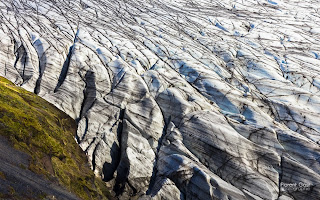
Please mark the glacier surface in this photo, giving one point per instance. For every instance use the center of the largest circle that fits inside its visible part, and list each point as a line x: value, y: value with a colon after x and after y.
x: 183, y: 99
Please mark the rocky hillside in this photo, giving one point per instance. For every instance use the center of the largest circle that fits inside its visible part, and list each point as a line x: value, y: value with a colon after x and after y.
x: 179, y: 99
x: 38, y: 153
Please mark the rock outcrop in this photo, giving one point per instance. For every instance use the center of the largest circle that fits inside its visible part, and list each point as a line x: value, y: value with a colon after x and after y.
x: 179, y: 99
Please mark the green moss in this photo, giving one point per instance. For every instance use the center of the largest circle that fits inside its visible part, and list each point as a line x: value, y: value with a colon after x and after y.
x: 45, y: 133
x: 12, y: 191
x: 22, y: 166
x: 2, y: 175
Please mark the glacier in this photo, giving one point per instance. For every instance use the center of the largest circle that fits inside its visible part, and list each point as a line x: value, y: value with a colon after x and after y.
x: 183, y: 99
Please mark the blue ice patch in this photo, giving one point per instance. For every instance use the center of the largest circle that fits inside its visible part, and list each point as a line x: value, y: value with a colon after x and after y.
x: 221, y: 27
x: 239, y: 54
x: 282, y: 67
x: 270, y: 54
x: 272, y: 2
x: 251, y: 43
x: 316, y: 55
x: 99, y: 51
x: 236, y: 33
x: 281, y: 40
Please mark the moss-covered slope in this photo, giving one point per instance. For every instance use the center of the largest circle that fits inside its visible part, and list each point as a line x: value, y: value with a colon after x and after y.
x: 39, y: 129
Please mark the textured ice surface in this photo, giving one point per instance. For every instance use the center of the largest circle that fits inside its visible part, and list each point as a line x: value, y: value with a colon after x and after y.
x: 179, y: 99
